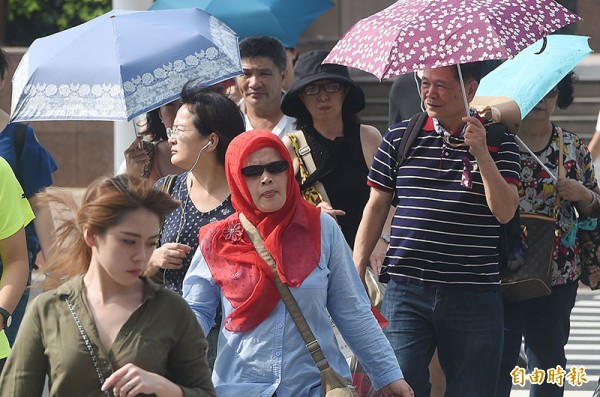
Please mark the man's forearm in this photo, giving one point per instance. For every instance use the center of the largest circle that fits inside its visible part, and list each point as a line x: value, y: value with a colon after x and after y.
x: 371, y: 225
x: 501, y: 196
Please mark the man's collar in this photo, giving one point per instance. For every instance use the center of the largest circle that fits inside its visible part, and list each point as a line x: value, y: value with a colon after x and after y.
x: 443, y: 132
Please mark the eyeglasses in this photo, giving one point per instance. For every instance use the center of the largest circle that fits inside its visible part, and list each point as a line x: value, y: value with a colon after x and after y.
x: 314, y: 89
x: 276, y: 167
x: 176, y: 131
x: 552, y: 93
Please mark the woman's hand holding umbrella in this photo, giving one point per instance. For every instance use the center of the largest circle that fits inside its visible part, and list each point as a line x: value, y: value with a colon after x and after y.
x: 135, y: 158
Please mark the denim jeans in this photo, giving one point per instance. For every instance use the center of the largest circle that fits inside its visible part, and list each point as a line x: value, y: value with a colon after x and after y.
x: 465, y: 325
x: 545, y: 324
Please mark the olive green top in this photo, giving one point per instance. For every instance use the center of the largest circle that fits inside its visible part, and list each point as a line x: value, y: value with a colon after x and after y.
x: 162, y: 336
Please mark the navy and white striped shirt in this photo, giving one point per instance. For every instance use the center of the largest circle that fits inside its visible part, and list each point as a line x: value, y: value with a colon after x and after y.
x: 442, y: 233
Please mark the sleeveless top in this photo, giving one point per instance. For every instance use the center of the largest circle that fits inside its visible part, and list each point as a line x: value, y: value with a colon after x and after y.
x: 342, y: 170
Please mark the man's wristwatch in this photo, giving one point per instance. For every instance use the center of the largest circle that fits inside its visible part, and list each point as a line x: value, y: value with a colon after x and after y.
x: 7, y: 317
x: 385, y: 237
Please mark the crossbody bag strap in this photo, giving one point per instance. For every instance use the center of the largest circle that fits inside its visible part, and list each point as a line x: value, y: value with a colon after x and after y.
x: 561, y: 168
x: 306, y: 162
x: 88, y: 345
x: 284, y: 291
x: 304, y: 151
x: 167, y: 187
x: 294, y: 138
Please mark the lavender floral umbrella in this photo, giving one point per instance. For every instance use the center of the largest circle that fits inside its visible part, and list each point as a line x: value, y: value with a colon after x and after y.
x: 413, y: 35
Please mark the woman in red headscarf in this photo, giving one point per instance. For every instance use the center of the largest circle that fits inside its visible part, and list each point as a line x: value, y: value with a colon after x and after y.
x: 260, y: 350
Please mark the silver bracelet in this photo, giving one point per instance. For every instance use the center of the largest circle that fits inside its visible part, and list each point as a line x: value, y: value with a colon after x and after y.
x: 593, y: 201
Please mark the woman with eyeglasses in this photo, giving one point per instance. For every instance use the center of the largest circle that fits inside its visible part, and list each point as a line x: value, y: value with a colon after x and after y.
x: 325, y: 102
x: 203, y: 128
x: 261, y: 352
x: 544, y: 322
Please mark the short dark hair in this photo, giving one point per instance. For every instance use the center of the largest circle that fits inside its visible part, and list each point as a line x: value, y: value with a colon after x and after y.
x: 3, y: 64
x: 565, y: 91
x: 470, y: 71
x: 154, y: 126
x: 264, y: 46
x: 214, y: 113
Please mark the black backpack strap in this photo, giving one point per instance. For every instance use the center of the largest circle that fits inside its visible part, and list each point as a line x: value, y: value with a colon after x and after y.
x: 168, y: 184
x: 20, y: 134
x: 495, y: 135
x: 411, y: 132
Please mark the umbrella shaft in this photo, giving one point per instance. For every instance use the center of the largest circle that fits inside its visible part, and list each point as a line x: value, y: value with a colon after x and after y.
x: 535, y: 157
x: 462, y: 88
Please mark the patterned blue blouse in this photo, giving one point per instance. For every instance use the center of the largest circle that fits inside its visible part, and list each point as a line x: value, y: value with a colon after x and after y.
x: 182, y: 227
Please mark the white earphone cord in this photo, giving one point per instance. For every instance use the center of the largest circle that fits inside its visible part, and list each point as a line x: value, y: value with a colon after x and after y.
x: 199, y: 153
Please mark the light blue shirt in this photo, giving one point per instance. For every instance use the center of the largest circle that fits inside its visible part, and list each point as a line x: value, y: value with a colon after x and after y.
x: 272, y: 356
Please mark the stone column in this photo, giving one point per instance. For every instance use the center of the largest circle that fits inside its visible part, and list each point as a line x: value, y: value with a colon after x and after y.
x: 124, y: 132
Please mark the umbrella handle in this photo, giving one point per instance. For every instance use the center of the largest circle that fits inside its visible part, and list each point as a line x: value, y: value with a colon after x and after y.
x: 544, y: 44
x: 462, y: 88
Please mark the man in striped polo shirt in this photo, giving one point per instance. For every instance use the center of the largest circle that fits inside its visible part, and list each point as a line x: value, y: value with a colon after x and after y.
x: 453, y: 193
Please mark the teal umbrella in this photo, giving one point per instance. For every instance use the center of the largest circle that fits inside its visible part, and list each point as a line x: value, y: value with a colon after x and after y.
x: 532, y: 73
x: 524, y: 80
x: 285, y: 20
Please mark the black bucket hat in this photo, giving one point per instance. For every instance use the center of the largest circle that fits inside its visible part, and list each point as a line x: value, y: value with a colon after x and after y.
x: 309, y: 69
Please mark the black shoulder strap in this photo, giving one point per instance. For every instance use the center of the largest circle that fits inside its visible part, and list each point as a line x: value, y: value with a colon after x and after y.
x: 411, y: 132
x: 495, y: 134
x: 20, y: 131
x: 166, y: 187
x: 413, y: 128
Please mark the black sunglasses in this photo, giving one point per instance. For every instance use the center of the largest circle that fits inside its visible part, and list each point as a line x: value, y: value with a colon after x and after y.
x: 275, y: 167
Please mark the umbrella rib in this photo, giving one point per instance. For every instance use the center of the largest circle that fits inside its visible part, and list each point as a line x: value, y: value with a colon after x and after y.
x: 462, y: 88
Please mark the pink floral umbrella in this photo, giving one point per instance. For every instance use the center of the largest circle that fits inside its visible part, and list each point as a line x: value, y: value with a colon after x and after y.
x: 413, y: 35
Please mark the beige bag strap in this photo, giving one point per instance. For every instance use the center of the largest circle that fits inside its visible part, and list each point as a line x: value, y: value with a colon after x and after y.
x: 561, y: 160
x: 304, y: 152
x: 284, y: 291
x: 561, y: 168
x: 304, y: 173
x: 307, y: 163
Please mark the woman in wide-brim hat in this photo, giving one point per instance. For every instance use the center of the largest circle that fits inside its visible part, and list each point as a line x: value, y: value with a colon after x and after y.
x: 325, y: 102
